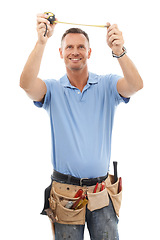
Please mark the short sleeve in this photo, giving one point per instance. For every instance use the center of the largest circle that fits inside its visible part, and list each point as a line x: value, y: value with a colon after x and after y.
x: 113, y: 79
x: 47, y: 97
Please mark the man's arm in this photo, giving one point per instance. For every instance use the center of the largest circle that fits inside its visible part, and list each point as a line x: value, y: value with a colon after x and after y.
x: 132, y: 81
x: 29, y: 81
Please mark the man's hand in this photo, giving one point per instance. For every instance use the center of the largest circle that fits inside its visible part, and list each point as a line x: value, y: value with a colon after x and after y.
x: 41, y: 28
x: 132, y: 81
x: 115, y: 39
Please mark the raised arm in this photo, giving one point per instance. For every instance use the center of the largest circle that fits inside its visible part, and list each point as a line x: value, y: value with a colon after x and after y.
x: 29, y: 81
x: 132, y: 81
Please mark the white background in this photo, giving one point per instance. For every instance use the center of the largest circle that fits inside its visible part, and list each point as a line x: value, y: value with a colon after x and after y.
x: 25, y: 165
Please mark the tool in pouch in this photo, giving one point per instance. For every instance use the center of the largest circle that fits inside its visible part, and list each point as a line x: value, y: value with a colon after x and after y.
x: 51, y: 18
x: 80, y: 203
x: 116, y: 177
x: 78, y: 194
x: 83, y: 199
x: 102, y: 187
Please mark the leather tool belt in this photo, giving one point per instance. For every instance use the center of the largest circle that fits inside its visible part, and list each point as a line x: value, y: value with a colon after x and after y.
x: 62, y: 193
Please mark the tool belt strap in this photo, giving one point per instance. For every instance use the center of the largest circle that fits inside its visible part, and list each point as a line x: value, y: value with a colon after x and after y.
x: 57, y: 176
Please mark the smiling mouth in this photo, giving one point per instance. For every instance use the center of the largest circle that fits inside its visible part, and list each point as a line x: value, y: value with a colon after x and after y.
x: 75, y: 59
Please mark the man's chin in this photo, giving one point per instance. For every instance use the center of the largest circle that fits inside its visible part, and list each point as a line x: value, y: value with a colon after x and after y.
x: 75, y: 68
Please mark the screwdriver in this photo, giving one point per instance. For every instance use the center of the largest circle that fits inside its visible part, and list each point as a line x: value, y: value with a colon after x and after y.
x: 95, y: 189
x: 84, y: 202
x: 102, y: 186
x: 78, y: 202
x: 78, y: 194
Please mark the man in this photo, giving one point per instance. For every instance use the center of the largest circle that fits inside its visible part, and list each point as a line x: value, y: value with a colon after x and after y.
x: 81, y: 107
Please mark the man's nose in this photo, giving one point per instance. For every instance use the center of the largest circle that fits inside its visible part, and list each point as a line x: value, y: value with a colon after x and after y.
x: 75, y: 51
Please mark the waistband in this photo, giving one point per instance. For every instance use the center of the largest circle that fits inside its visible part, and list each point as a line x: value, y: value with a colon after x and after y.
x: 57, y: 176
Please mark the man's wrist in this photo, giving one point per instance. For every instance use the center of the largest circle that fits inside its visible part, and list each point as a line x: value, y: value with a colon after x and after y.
x: 41, y: 44
x: 124, y: 51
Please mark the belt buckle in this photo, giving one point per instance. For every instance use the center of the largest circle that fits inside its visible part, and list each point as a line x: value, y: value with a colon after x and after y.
x: 81, y: 181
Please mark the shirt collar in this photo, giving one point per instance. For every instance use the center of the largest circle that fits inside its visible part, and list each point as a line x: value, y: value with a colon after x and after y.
x: 93, y: 79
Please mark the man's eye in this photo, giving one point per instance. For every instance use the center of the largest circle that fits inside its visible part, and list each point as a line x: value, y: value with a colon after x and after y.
x: 69, y: 47
x: 81, y: 46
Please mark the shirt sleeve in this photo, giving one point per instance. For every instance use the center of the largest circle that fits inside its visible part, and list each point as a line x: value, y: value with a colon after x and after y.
x: 113, y: 79
x: 47, y: 98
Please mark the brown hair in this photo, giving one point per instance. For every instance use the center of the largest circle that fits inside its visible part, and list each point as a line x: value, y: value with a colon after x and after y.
x: 75, y: 30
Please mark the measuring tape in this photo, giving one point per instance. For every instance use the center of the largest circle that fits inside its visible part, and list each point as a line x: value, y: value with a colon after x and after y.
x: 51, y: 18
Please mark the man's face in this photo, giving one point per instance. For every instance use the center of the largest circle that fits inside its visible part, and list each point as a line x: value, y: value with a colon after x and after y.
x: 75, y: 51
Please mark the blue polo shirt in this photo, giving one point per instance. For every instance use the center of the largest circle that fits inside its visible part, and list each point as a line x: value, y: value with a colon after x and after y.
x: 81, y: 124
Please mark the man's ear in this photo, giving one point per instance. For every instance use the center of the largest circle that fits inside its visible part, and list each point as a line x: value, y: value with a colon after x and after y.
x: 61, y: 54
x: 89, y: 53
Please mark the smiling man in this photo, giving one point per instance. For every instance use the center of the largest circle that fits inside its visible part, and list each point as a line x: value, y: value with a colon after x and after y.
x: 75, y: 51
x: 81, y: 107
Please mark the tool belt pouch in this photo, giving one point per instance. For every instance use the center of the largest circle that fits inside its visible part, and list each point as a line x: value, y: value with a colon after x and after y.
x: 115, y: 196
x: 62, y: 214
x: 98, y: 200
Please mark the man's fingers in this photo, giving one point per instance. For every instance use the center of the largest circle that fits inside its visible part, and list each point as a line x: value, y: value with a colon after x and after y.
x: 114, y: 35
x: 112, y: 27
x: 42, y: 15
x: 108, y: 24
x: 114, y: 31
x: 117, y: 43
x: 49, y: 28
x: 41, y: 31
x: 113, y: 38
x: 41, y: 25
x: 42, y: 20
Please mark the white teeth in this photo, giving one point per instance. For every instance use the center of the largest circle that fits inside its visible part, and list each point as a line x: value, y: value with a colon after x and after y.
x: 75, y: 59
